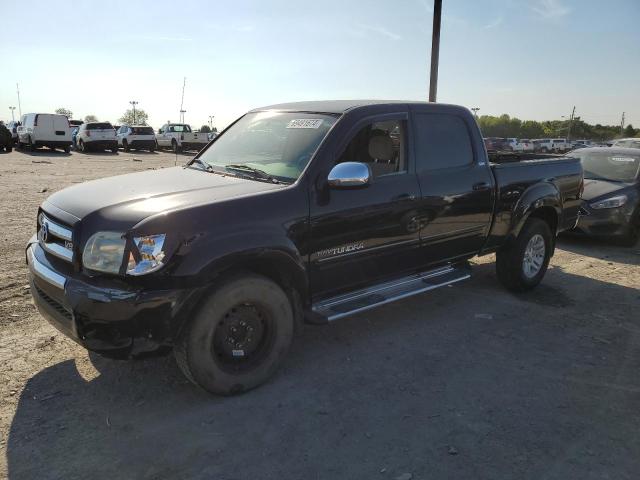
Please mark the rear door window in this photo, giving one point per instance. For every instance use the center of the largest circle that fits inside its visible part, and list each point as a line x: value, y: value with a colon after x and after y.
x: 441, y: 141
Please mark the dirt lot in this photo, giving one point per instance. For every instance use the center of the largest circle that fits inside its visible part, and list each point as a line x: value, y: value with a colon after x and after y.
x: 466, y: 382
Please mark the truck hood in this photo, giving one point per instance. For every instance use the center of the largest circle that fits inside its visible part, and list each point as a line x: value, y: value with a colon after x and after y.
x: 125, y: 200
x: 597, y: 188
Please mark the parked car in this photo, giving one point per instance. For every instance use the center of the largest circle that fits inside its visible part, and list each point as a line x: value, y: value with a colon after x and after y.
x: 307, y: 211
x: 551, y: 145
x: 523, y: 145
x: 75, y: 123
x: 138, y: 137
x: 576, y: 143
x: 6, y: 140
x: 626, y: 143
x: 44, y: 130
x: 12, y: 126
x: 212, y: 135
x: 96, y: 136
x: 179, y: 137
x: 496, y: 144
x: 611, y: 198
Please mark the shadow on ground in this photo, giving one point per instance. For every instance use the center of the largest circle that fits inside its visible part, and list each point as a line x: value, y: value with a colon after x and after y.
x: 600, y: 248
x: 464, y: 382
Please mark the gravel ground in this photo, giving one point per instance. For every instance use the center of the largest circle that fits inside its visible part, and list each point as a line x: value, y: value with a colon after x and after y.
x: 465, y: 382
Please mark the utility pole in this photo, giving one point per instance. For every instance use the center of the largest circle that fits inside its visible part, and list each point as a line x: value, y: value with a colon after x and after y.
x: 573, y: 114
x: 184, y: 82
x: 19, y: 106
x: 211, y: 117
x: 622, y: 124
x: 475, y: 111
x: 435, y: 50
x: 134, y: 103
x: 12, y: 117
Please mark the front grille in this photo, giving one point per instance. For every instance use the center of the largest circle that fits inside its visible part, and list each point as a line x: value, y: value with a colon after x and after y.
x: 57, y: 306
x: 55, y: 237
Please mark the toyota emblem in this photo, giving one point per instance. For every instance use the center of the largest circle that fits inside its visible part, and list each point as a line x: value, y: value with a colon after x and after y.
x: 43, y: 234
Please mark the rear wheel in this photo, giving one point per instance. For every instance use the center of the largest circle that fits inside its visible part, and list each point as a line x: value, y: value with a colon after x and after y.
x: 238, y: 337
x: 32, y: 146
x: 522, y: 264
x: 67, y: 149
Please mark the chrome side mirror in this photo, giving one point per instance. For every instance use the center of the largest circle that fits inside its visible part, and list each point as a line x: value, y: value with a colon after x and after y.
x: 349, y: 175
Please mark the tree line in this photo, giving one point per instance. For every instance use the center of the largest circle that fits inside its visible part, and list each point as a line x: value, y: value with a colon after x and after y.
x: 512, y: 127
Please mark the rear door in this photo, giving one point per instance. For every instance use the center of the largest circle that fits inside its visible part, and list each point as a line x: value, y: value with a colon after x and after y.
x: 457, y: 186
x: 61, y: 128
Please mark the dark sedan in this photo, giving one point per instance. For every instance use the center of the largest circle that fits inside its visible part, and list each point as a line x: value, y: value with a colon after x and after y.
x: 611, y: 199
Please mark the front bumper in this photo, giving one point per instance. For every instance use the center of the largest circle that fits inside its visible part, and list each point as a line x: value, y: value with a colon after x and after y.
x: 107, y: 319
x: 606, y: 222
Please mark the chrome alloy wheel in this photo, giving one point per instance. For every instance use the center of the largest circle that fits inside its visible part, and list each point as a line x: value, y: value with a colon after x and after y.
x: 533, y: 256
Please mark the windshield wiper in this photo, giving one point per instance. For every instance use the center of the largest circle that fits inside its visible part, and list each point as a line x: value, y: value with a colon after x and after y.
x: 255, y: 172
x: 202, y: 163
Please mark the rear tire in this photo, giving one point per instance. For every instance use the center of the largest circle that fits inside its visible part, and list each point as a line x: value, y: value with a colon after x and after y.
x: 9, y: 148
x: 67, y: 149
x: 238, y: 337
x: 32, y: 146
x: 522, y: 264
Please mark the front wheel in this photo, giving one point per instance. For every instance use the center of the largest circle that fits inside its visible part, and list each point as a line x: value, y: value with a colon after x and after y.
x: 522, y: 264
x: 238, y: 337
x: 125, y: 145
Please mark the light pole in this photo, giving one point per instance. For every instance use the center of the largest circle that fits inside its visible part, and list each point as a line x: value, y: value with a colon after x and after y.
x: 12, y: 117
x: 182, y: 112
x: 211, y: 117
x: 435, y: 50
x: 475, y: 111
x: 134, y: 103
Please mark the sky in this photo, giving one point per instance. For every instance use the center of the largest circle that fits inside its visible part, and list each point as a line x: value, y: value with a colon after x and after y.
x: 533, y: 59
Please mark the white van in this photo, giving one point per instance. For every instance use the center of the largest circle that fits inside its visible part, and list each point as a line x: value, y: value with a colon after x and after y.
x: 44, y: 130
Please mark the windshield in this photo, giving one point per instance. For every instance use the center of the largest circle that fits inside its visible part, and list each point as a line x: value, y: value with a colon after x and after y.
x: 618, y: 167
x: 279, y: 144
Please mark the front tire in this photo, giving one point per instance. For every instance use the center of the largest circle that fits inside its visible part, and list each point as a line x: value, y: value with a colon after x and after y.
x: 238, y: 337
x: 522, y: 264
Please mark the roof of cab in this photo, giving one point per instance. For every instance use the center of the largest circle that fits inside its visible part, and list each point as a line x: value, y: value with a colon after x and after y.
x: 334, y: 106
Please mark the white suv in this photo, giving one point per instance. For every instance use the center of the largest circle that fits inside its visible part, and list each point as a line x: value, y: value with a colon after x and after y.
x: 138, y: 137
x: 524, y: 145
x: 96, y: 136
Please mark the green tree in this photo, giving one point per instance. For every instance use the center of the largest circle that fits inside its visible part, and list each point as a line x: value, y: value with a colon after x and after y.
x: 140, y: 118
x: 630, y: 131
x: 90, y: 118
x: 64, y: 111
x: 205, y: 129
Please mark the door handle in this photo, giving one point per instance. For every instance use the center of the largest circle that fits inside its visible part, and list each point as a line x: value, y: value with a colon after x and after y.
x: 480, y: 186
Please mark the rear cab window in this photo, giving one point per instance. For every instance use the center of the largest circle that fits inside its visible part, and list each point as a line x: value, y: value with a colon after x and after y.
x: 442, y: 140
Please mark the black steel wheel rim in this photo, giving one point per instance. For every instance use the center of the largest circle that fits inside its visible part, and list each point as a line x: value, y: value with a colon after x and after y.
x: 243, y: 338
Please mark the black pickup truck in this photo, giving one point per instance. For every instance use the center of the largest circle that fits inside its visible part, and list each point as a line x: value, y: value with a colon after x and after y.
x: 302, y: 212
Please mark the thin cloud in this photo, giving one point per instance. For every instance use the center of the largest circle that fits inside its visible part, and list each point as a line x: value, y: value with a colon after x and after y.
x: 494, y: 24
x: 379, y: 30
x: 550, y: 9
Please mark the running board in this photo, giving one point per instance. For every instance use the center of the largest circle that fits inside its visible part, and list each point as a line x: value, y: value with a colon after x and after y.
x: 371, y: 297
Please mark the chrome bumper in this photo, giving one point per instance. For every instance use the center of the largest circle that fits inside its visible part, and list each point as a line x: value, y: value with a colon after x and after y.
x: 44, y: 272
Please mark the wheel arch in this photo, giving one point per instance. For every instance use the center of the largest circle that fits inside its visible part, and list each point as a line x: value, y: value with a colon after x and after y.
x: 542, y: 201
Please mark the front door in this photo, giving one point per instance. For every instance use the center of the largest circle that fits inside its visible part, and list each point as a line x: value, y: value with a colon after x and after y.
x: 363, y: 235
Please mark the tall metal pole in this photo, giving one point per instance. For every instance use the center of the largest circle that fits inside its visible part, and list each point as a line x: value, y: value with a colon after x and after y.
x: 573, y: 113
x: 134, y: 103
x: 622, y: 124
x: 475, y: 111
x: 184, y: 82
x: 12, y: 117
x: 435, y: 50
x: 19, y: 106
x: 211, y: 117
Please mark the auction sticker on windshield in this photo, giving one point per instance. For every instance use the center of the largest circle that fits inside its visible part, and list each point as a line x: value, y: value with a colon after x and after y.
x: 305, y: 123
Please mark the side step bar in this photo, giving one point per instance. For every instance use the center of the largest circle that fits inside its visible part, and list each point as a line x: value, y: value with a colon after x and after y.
x: 374, y: 296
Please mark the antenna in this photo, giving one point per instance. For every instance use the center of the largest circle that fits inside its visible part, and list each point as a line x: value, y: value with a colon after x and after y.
x: 184, y: 83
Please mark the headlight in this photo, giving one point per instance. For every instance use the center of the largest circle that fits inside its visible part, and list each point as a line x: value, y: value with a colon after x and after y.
x: 612, y: 202
x: 104, y: 252
x: 151, y: 256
